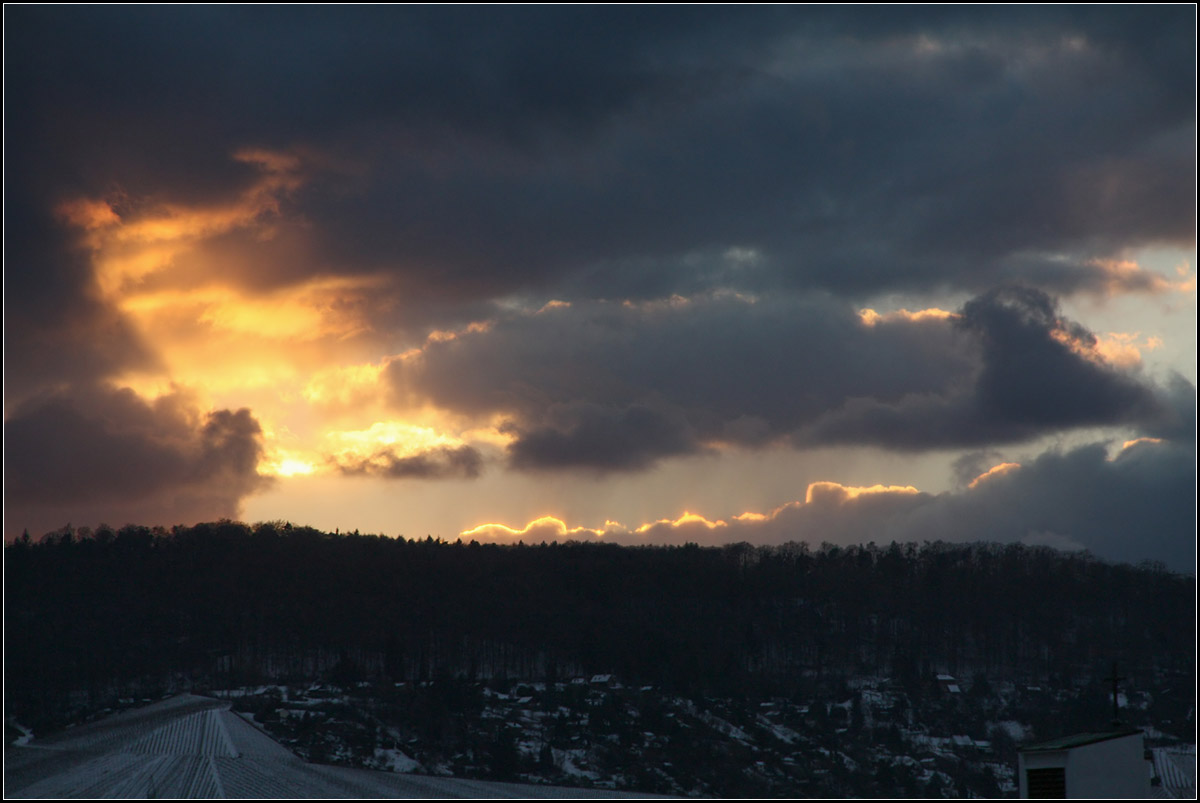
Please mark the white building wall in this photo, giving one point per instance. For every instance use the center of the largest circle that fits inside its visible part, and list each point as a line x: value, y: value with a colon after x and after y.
x: 1112, y: 768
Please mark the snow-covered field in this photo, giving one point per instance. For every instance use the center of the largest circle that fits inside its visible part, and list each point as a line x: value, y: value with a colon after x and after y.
x: 194, y: 747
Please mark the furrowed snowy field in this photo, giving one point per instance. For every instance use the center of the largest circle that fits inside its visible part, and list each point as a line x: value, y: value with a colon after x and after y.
x: 195, y: 747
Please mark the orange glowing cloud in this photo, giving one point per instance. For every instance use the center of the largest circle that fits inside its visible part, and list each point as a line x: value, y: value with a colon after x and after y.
x: 788, y: 521
x: 128, y: 248
x: 445, y: 335
x: 401, y: 450
x: 269, y: 349
x: 675, y: 301
x: 285, y: 465
x: 1121, y: 350
x: 344, y: 384
x: 316, y: 309
x: 396, y: 437
x: 1139, y: 441
x: 836, y: 493
x: 1187, y: 278
x: 1122, y: 274
x: 174, y: 222
x: 687, y: 520
x: 182, y: 305
x: 88, y: 213
x: 1117, y: 349
x: 994, y: 471
x: 870, y: 317
x: 546, y: 528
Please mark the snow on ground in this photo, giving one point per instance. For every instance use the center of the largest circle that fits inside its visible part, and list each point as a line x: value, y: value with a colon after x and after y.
x: 905, y: 761
x: 247, y: 691
x: 26, y: 734
x: 786, y: 735
x: 877, y: 699
x: 727, y: 728
x: 191, y: 746
x: 395, y: 761
x: 565, y: 759
x: 1016, y: 731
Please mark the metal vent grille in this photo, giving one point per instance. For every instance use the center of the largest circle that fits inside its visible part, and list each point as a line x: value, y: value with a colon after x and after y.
x: 1050, y: 782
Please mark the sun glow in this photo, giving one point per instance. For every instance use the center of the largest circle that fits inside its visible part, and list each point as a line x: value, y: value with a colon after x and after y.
x: 398, y: 438
x: 314, y: 310
x: 343, y: 384
x: 289, y: 467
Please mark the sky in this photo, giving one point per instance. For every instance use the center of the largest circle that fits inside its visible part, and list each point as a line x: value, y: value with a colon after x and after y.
x: 637, y: 274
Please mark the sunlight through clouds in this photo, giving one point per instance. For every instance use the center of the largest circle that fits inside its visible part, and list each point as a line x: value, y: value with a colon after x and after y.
x: 745, y: 247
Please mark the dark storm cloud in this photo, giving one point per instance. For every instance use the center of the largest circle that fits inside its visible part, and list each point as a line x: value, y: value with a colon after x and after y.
x: 440, y: 463
x: 591, y: 152
x: 781, y: 360
x: 56, y: 328
x: 99, y: 454
x: 468, y: 155
x: 854, y: 163
x: 1029, y: 381
x: 967, y: 467
x: 1177, y: 421
x: 584, y: 435
x: 617, y: 386
x: 1137, y: 506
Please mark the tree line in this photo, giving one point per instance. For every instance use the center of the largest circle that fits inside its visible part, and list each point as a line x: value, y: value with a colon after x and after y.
x: 91, y: 614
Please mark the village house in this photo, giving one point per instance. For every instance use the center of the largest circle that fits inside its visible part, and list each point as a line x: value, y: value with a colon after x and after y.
x: 1108, y: 764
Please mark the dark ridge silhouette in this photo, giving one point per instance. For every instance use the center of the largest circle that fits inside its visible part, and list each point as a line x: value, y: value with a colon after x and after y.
x: 93, y: 614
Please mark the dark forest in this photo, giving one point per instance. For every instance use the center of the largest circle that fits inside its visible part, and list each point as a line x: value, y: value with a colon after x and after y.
x: 90, y: 615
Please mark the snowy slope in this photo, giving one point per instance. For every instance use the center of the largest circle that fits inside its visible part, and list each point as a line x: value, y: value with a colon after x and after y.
x: 195, y: 747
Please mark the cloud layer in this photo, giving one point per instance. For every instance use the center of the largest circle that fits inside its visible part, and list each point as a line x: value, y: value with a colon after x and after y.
x: 100, y: 454
x: 1138, y: 505
x: 619, y: 153
x: 618, y: 386
x: 450, y: 243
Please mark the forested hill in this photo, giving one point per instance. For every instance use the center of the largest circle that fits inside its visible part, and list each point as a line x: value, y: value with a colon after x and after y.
x: 88, y: 613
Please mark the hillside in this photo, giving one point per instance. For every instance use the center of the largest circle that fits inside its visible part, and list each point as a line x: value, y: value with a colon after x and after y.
x: 477, y: 659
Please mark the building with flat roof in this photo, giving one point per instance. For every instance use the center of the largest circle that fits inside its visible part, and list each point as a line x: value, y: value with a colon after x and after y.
x: 1106, y: 764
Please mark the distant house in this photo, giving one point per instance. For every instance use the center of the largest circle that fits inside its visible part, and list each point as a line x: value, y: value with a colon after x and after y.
x: 1175, y: 772
x: 948, y: 684
x: 1109, y: 764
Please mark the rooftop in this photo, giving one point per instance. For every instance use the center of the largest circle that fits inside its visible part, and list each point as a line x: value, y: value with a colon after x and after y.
x: 1079, y: 740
